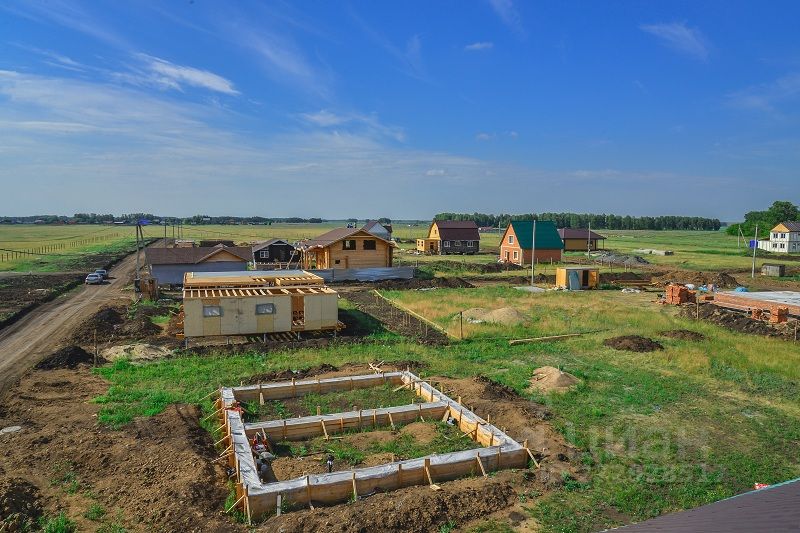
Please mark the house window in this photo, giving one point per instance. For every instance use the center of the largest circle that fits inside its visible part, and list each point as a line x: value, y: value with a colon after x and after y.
x: 369, y: 244
x: 472, y: 244
x: 456, y: 243
x: 510, y: 239
x: 446, y: 244
x: 212, y: 310
x: 349, y: 244
x: 336, y: 261
x: 265, y: 309
x: 264, y: 254
x: 516, y: 254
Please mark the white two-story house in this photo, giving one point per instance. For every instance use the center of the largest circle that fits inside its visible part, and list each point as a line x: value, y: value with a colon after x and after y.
x: 783, y: 239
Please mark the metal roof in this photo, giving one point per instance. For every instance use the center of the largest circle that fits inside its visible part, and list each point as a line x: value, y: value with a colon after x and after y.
x: 576, y: 233
x: 772, y: 509
x: 546, y: 235
x: 193, y: 255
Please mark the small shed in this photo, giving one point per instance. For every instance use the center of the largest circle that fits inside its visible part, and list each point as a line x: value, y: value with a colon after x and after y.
x: 257, y: 302
x: 773, y: 269
x: 577, y: 278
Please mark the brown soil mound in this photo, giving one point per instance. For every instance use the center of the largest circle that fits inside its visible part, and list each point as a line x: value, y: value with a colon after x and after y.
x: 507, y: 316
x: 422, y: 432
x: 735, y: 321
x: 551, y: 379
x: 19, y: 504
x: 417, y: 283
x: 683, y: 334
x: 68, y: 357
x: 720, y: 279
x: 105, y: 323
x: 633, y: 343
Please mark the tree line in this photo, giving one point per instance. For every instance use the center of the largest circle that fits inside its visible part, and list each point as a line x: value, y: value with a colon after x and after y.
x: 584, y: 220
x: 780, y: 211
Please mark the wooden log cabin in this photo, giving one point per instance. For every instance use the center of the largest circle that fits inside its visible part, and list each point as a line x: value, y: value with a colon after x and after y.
x: 343, y: 248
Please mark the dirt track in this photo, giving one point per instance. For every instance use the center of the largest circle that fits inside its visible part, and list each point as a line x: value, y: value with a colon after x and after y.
x: 27, y: 341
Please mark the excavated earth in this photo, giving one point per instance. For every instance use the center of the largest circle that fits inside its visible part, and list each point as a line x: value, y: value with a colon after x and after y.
x: 633, y: 343
x: 157, y: 473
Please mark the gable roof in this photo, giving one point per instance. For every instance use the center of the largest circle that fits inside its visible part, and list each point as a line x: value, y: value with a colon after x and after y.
x: 457, y: 230
x: 575, y: 233
x: 370, y: 225
x: 179, y: 256
x: 790, y: 226
x: 547, y: 237
x: 774, y: 508
x: 336, y: 235
x: 269, y: 242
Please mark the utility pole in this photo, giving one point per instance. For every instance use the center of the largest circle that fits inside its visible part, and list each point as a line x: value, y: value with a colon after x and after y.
x: 533, y: 250
x: 136, y: 279
x: 755, y: 247
x: 165, y: 234
x: 589, y: 240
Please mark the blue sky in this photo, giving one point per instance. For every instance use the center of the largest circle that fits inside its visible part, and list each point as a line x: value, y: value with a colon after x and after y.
x: 398, y: 109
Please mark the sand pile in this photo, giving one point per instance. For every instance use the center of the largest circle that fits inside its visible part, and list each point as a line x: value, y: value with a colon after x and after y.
x: 551, y: 379
x: 135, y: 352
x: 508, y: 316
x: 633, y: 343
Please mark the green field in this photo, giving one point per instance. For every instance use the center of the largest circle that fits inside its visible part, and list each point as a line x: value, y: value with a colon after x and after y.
x: 59, y: 244
x: 58, y: 248
x: 659, y: 431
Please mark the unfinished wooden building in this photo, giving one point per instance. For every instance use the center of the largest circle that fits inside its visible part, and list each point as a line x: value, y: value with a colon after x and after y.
x: 257, y: 302
x: 347, y: 248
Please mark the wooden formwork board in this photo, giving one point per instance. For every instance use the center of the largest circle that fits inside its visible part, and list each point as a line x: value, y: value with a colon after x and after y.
x: 314, y: 426
x: 499, y: 451
x: 295, y: 388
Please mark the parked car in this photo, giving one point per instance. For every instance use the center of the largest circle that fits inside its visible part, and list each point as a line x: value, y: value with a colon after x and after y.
x: 94, y: 279
x: 103, y: 272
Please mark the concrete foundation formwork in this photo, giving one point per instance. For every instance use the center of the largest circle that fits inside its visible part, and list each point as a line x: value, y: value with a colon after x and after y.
x: 257, y: 499
x: 760, y: 300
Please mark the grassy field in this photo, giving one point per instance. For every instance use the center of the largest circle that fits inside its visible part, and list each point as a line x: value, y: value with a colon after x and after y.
x: 58, y: 248
x: 660, y: 431
x: 60, y: 244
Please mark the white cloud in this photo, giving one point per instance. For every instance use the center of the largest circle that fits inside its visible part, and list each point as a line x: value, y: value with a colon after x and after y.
x: 513, y: 134
x: 679, y: 37
x: 478, y: 46
x: 435, y: 172
x: 369, y: 124
x: 483, y: 136
x: 176, y: 75
x: 509, y: 15
x: 409, y: 58
x: 768, y: 96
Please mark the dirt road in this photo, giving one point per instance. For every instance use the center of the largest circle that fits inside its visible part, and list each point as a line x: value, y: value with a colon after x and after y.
x: 41, y: 332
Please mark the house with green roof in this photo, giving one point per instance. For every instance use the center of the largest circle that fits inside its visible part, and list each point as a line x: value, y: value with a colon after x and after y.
x: 518, y: 242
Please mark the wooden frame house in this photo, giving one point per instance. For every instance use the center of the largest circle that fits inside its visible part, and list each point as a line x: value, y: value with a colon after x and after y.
x: 446, y: 237
x: 343, y: 248
x: 257, y: 302
x: 517, y: 241
x: 275, y: 252
x: 578, y: 240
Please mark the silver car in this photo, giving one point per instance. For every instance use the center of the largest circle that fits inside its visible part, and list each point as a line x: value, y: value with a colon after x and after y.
x: 94, y: 279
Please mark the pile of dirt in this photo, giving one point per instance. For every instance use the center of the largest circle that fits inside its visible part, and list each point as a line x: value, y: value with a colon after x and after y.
x: 620, y: 259
x: 68, y: 357
x: 721, y: 280
x: 683, y: 334
x: 633, y: 343
x: 736, y: 321
x: 496, y: 391
x: 419, y: 283
x: 104, y: 325
x: 20, y: 504
x: 551, y: 379
x: 422, y: 432
x: 507, y: 316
